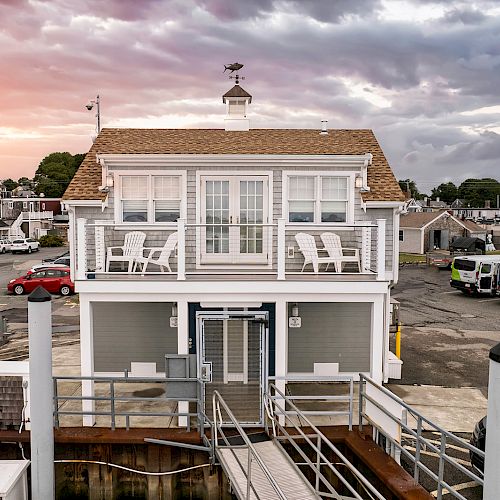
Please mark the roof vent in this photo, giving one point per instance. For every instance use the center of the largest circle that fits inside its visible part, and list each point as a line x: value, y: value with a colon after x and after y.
x: 324, y: 130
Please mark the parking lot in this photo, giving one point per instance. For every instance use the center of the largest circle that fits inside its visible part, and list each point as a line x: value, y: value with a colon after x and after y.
x: 446, y: 335
x: 65, y: 317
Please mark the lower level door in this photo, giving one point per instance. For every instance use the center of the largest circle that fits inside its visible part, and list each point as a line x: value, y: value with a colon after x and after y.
x: 231, y: 363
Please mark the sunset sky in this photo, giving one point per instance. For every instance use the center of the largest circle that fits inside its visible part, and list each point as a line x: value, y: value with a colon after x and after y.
x: 423, y: 74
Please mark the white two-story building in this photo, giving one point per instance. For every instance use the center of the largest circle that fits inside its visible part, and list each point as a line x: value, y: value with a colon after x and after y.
x: 263, y: 252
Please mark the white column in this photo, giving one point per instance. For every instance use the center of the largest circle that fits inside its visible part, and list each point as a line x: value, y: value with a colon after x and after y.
x: 281, y: 346
x: 41, y: 394
x: 380, y: 249
x: 492, y: 459
x: 87, y: 358
x: 183, y: 348
x: 281, y: 249
x: 81, y: 261
x: 181, y: 249
x: 377, y: 339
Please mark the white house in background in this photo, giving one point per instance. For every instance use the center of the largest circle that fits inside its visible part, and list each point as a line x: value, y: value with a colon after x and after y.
x: 261, y: 252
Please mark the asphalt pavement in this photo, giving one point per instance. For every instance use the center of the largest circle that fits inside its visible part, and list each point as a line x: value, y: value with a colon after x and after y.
x: 65, y: 317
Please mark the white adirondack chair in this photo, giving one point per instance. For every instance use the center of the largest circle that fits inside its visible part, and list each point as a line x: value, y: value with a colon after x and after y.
x: 333, y: 245
x: 131, y: 249
x: 164, y: 255
x: 307, y: 246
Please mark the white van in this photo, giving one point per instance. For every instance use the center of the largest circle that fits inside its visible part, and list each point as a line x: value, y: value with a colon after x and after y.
x: 475, y: 273
x: 5, y: 245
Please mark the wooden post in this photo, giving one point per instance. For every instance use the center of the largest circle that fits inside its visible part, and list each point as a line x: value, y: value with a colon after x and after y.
x: 81, y: 248
x: 380, y: 249
x: 281, y: 249
x: 181, y: 250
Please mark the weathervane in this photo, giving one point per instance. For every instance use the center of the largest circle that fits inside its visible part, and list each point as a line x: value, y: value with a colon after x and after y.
x: 232, y: 68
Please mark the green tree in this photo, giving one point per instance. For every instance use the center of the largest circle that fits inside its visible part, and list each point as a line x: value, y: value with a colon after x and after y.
x: 447, y: 191
x: 9, y: 184
x: 408, y: 184
x: 23, y: 181
x: 55, y: 173
x: 477, y: 191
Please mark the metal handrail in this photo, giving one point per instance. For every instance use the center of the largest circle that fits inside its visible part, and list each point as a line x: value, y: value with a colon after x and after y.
x: 321, y: 439
x: 217, y: 403
x: 420, y: 441
x: 340, y: 379
x: 112, y: 398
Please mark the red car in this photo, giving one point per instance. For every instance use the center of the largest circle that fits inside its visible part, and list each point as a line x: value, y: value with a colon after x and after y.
x: 54, y: 280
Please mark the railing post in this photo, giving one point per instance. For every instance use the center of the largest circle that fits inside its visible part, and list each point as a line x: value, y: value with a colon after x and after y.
x: 380, y: 249
x: 360, y: 403
x: 181, y: 249
x: 416, y: 471
x: 281, y: 249
x: 249, y: 473
x: 442, y: 452
x: 81, y: 245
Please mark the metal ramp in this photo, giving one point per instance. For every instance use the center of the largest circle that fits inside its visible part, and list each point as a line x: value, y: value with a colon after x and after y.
x: 264, y: 470
x: 292, y: 485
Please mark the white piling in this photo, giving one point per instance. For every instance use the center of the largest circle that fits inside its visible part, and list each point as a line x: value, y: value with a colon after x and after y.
x: 41, y: 394
x: 492, y: 459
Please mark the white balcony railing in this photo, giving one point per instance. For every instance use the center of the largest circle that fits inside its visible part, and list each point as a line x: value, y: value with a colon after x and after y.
x: 34, y: 216
x: 277, y: 250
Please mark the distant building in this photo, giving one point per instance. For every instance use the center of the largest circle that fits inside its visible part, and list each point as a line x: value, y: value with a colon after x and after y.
x: 31, y: 216
x: 423, y: 232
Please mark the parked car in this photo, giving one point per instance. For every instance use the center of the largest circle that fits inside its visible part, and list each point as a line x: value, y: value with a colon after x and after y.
x: 52, y: 259
x: 5, y: 246
x: 59, y: 262
x: 54, y: 280
x: 27, y: 245
x: 478, y: 440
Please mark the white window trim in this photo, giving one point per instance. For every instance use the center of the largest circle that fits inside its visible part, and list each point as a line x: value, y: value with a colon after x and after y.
x: 317, y: 205
x: 150, y: 173
x: 200, y: 175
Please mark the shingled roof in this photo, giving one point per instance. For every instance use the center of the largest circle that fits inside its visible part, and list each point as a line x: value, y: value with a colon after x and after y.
x: 381, y: 180
x: 236, y: 91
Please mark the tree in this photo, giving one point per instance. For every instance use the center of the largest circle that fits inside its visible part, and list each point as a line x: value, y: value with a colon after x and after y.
x: 55, y: 173
x: 477, y: 191
x: 9, y: 184
x: 23, y: 181
x: 409, y: 185
x: 447, y: 191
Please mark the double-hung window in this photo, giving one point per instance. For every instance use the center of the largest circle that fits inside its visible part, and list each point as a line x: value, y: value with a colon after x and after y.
x: 150, y: 198
x: 318, y: 198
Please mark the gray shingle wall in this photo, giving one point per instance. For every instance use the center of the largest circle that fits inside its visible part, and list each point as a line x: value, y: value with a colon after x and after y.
x: 11, y: 401
x: 158, y: 238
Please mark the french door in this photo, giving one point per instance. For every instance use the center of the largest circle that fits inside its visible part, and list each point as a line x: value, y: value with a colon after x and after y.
x: 234, y: 210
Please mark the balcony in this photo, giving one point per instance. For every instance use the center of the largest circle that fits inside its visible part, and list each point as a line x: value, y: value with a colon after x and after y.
x: 37, y: 216
x: 276, y: 251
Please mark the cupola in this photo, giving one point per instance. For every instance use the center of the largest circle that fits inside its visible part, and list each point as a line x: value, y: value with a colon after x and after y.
x: 237, y: 100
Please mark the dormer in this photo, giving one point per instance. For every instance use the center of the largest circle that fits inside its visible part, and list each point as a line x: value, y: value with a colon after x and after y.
x: 237, y: 100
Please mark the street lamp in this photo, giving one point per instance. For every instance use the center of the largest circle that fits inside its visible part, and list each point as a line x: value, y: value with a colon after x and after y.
x: 95, y: 102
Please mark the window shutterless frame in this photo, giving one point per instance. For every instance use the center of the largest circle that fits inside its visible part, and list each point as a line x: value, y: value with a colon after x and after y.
x: 150, y: 174
x: 318, y: 200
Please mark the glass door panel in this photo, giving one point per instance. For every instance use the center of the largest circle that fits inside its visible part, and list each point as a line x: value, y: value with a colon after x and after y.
x: 234, y: 210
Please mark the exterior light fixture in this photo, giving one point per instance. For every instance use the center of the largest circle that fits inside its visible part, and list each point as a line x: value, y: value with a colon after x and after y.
x: 90, y: 106
x: 358, y: 182
x: 173, y: 318
x: 295, y: 321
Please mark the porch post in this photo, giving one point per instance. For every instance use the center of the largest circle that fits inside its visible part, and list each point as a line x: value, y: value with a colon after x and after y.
x: 81, y: 260
x: 183, y: 348
x: 492, y: 449
x: 281, y: 346
x: 181, y: 249
x: 87, y: 359
x: 281, y: 249
x: 377, y: 339
x: 380, y: 249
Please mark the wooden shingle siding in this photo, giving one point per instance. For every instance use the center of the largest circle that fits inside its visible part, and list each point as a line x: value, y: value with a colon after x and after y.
x: 331, y: 333
x: 158, y: 238
x: 11, y: 401
x: 124, y: 332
